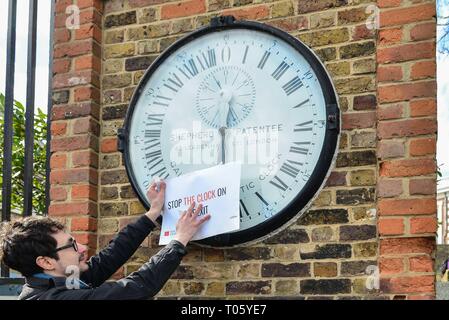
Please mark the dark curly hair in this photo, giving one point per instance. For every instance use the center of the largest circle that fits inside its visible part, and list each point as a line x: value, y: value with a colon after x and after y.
x: 24, y: 240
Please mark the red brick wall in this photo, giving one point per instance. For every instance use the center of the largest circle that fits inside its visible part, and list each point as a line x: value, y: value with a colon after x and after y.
x: 406, y: 149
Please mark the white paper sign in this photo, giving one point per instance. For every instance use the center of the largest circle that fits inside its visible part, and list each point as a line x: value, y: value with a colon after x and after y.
x: 217, y: 188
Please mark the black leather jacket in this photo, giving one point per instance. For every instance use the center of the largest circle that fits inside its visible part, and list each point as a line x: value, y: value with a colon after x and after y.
x: 141, y: 284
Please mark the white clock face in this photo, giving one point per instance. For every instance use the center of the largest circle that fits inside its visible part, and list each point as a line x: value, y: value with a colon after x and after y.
x: 256, y: 86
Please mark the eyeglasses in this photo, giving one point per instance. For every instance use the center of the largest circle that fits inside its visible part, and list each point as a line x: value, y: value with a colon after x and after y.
x: 73, y: 245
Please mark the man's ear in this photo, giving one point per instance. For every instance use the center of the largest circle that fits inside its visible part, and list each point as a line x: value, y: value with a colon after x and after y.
x: 45, y: 263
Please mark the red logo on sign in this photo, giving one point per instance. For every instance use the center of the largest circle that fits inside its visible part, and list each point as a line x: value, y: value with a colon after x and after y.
x: 166, y: 233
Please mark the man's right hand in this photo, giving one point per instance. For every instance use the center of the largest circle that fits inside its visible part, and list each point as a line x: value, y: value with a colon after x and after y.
x: 189, y: 223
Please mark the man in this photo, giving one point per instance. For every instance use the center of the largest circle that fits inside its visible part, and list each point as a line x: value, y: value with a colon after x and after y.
x: 50, y: 258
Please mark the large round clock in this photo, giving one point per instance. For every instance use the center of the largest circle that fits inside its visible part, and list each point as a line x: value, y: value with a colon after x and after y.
x: 237, y: 91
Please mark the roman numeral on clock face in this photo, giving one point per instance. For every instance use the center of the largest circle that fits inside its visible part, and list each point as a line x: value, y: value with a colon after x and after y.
x: 280, y: 70
x: 289, y: 168
x: 293, y: 85
x: 300, y: 150
x: 174, y: 83
x: 153, y: 134
x: 155, y: 119
x: 161, y: 100
x: 264, y: 59
x: 242, y: 206
x: 305, y: 126
x: 191, y: 68
x: 278, y: 183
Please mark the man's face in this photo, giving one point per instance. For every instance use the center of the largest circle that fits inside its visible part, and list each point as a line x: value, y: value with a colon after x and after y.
x: 68, y: 257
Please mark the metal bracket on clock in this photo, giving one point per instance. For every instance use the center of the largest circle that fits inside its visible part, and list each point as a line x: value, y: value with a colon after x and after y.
x: 222, y: 21
x: 121, y: 139
x: 332, y: 118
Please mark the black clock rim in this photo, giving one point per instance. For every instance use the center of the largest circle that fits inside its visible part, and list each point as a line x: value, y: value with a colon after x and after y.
x: 318, y: 177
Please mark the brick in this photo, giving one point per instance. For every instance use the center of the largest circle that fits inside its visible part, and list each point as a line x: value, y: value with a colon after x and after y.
x: 390, y: 36
x: 60, y: 97
x: 119, y: 50
x: 426, y: 107
x: 325, y: 269
x: 357, y: 50
x: 361, y: 32
x: 83, y: 224
x: 406, y: 52
x: 139, y: 63
x: 289, y: 236
x: 283, y: 9
x: 390, y: 227
x: 248, y: 287
x: 74, y: 49
x: 285, y: 270
x: 359, y: 120
x: 385, y: 74
x: 357, y: 268
x: 113, y: 209
x: 324, y: 216
x: 406, y: 128
x: 61, y: 35
x: 97, y: 4
x: 72, y: 176
x: 86, y: 125
x: 357, y: 158
x: 318, y: 5
x: 75, y: 208
x: 84, y: 192
x: 390, y: 149
x: 122, y: 19
x: 359, y: 232
x: 388, y: 3
x: 322, y: 234
x: 327, y: 37
x: 58, y: 128
x: 365, y: 249
x: 362, y: 178
x: 58, y: 193
x: 58, y: 161
x: 407, y: 168
x: 328, y: 251
x: 423, y: 69
x: 422, y: 186
x: 399, y: 246
x: 389, y: 266
x: 395, y: 111
x: 389, y: 188
x: 88, y: 62
x: 117, y: 81
x: 291, y: 23
x: 77, y: 78
x: 71, y: 111
x: 182, y: 9
x: 89, y: 31
x: 388, y: 207
x: 85, y: 158
x: 355, y: 196
x: 423, y: 31
x: 360, y: 139
x: 421, y: 147
x: 365, y: 102
x: 421, y: 264
x: 411, y: 284
x: 87, y: 94
x: 253, y: 13
x: 336, y: 178
x: 253, y: 253
x: 402, y: 16
x: 423, y: 225
x: 87, y: 239
x: 108, y: 145
x: 72, y: 143
x: 328, y: 286
x: 61, y: 66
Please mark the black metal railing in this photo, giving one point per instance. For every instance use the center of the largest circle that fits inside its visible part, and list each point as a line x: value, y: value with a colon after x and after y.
x: 8, y: 133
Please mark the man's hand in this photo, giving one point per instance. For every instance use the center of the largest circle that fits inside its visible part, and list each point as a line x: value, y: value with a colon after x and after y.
x: 156, y: 198
x: 189, y: 223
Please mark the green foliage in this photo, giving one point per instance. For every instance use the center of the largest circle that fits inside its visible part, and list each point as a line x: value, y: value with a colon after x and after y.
x: 18, y: 156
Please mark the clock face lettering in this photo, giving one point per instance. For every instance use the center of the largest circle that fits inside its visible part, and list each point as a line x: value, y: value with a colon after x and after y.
x: 240, y: 92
